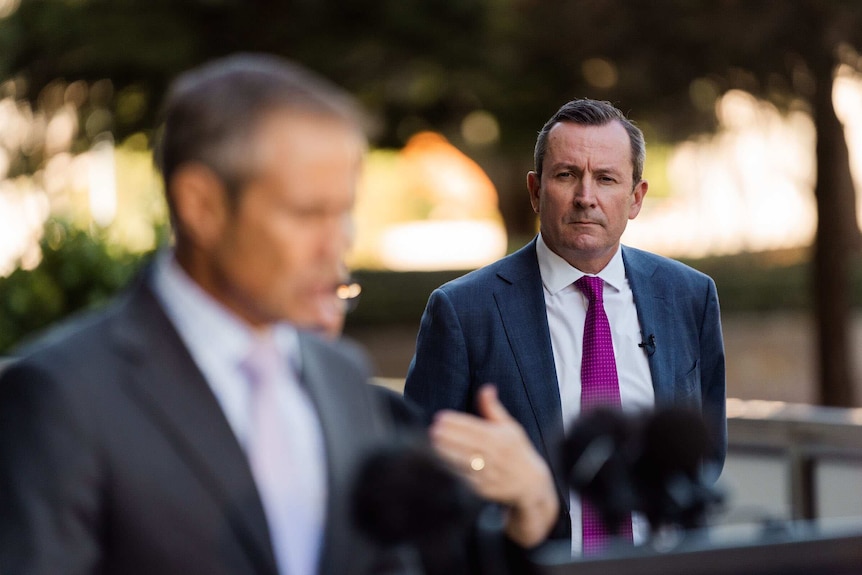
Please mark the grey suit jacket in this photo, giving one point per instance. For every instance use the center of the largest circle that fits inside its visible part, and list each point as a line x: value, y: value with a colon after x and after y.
x: 115, y: 457
x: 490, y: 326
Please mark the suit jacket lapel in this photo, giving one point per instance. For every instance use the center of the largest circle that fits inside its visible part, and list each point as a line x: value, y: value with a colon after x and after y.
x: 351, y: 426
x: 521, y: 302
x: 331, y: 421
x: 165, y: 381
x: 654, y: 314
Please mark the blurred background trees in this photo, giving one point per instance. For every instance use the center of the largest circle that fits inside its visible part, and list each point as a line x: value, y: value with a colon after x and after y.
x: 484, y: 73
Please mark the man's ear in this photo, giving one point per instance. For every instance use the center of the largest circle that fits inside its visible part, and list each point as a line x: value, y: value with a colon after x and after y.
x: 200, y: 204
x: 534, y: 184
x: 638, y: 195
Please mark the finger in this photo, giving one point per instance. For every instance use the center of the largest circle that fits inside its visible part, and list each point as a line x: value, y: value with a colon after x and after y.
x: 463, y: 423
x: 461, y: 455
x: 489, y: 406
x: 453, y: 457
x: 482, y: 478
x: 456, y: 438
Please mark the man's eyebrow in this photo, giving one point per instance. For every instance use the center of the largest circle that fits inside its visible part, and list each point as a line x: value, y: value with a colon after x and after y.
x: 569, y: 166
x: 607, y: 170
x: 565, y: 166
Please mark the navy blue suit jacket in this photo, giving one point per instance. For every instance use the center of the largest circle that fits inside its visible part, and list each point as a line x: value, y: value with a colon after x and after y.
x: 490, y: 326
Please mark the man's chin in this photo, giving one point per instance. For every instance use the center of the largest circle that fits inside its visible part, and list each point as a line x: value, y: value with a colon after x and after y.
x: 585, y: 245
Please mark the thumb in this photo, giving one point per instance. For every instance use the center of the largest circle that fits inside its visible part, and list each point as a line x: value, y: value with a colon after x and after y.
x: 489, y: 406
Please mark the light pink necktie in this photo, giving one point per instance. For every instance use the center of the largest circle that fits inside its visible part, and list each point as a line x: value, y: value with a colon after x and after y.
x: 599, y: 387
x: 293, y: 526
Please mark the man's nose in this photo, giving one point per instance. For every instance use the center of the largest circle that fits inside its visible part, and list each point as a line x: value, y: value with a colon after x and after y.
x: 585, y: 193
x: 337, y: 237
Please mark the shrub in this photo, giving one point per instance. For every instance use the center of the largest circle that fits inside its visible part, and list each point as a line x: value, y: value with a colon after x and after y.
x: 78, y: 270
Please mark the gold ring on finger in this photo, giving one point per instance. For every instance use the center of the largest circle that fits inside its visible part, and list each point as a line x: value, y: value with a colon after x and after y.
x: 477, y: 462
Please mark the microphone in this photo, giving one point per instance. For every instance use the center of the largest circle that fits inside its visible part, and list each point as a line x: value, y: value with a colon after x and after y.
x: 651, y: 463
x: 648, y: 344
x: 597, y: 453
x: 407, y: 501
x: 669, y: 471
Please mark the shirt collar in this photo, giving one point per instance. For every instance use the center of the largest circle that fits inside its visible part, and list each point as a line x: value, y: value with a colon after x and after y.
x: 206, y: 326
x: 557, y: 274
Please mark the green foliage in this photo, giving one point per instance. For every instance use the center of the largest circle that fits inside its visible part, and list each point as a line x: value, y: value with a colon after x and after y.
x: 760, y: 282
x: 79, y: 270
x: 396, y: 297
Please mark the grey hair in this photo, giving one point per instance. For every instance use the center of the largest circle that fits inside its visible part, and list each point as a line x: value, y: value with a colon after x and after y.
x: 211, y: 113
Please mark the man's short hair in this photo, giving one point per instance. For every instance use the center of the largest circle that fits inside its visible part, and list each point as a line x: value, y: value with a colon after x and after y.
x: 211, y: 113
x: 587, y: 112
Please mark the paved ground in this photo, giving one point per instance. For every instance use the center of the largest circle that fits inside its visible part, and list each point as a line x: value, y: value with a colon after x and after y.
x: 768, y: 356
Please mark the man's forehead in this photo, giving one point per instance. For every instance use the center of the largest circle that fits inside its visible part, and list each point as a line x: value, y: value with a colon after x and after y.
x: 611, y: 130
x: 570, y: 140
x: 308, y: 134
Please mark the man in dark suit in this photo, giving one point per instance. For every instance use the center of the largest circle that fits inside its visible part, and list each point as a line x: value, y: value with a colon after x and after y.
x: 519, y: 323
x: 126, y: 435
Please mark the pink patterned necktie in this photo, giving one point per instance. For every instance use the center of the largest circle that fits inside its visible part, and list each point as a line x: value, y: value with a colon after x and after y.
x: 599, y: 387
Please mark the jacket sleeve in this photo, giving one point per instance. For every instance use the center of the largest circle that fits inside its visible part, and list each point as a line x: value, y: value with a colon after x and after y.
x: 713, y: 386
x: 439, y: 374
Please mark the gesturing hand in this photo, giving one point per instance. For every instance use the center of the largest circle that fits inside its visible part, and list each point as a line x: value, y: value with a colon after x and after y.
x: 495, y: 455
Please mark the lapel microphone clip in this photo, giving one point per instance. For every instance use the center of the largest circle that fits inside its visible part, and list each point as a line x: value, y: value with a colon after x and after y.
x: 648, y: 344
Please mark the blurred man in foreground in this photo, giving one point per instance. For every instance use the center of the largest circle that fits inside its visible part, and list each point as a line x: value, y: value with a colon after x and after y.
x: 139, y: 439
x: 575, y: 321
x: 193, y: 426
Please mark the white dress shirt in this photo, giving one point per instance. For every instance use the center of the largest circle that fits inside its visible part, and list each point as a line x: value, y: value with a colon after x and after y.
x: 566, y: 307
x: 219, y: 342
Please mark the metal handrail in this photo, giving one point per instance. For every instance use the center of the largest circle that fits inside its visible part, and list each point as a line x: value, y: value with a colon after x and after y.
x: 802, y: 434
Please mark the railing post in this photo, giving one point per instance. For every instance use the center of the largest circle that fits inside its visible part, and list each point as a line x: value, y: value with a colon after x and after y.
x: 802, y: 487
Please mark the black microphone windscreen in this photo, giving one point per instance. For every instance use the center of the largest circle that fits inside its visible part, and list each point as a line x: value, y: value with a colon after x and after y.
x: 669, y: 471
x: 592, y: 442
x: 675, y: 440
x: 598, y: 456
x: 406, y: 494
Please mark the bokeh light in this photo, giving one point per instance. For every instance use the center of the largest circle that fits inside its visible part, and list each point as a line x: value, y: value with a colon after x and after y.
x: 427, y: 206
x: 748, y: 187
x: 600, y: 73
x: 8, y: 7
x: 114, y: 188
x: 480, y: 128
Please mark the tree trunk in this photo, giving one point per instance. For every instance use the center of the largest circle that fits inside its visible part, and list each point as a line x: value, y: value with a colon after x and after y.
x: 510, y: 175
x: 836, y: 240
